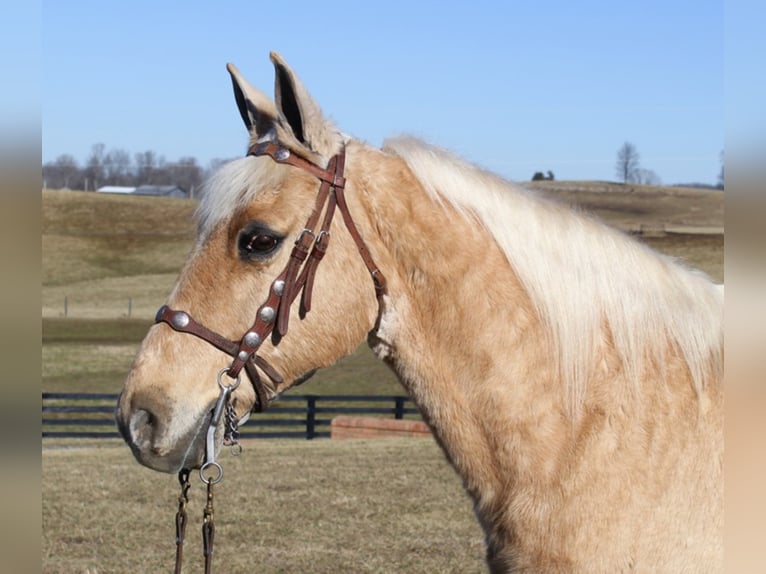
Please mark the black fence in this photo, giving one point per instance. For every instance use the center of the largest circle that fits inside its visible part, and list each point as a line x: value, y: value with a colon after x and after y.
x: 91, y: 415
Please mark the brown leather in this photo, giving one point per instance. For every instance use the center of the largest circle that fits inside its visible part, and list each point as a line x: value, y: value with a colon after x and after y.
x: 282, y: 155
x: 263, y: 391
x: 297, y: 276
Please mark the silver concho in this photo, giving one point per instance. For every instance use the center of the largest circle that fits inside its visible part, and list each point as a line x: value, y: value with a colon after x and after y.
x: 278, y: 287
x: 267, y: 314
x: 243, y: 355
x: 252, y: 339
x: 281, y: 154
x: 180, y: 320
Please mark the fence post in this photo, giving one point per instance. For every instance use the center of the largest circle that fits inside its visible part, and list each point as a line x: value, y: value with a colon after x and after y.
x: 399, y: 407
x: 66, y: 305
x: 311, y: 406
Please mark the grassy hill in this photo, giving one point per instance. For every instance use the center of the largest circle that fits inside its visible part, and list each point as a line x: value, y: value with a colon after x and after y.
x: 103, y: 252
x: 109, y: 262
x: 685, y: 222
x: 642, y: 207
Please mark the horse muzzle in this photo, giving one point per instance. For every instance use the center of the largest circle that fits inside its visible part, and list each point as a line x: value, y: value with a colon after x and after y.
x: 158, y: 444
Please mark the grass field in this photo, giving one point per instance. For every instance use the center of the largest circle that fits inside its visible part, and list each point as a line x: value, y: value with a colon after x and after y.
x: 631, y: 207
x: 283, y: 506
x: 100, y: 251
x: 94, y: 355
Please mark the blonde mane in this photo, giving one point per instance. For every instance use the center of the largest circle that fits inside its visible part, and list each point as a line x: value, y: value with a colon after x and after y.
x: 581, y: 274
x: 232, y: 186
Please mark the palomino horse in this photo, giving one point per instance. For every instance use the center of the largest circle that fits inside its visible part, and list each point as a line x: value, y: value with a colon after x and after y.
x: 572, y: 376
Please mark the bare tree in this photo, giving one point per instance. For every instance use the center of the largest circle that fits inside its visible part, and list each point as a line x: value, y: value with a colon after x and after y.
x: 63, y: 172
x: 146, y: 165
x: 186, y: 173
x: 627, y: 162
x: 720, y: 174
x: 94, y: 167
x: 118, y: 168
x: 646, y: 177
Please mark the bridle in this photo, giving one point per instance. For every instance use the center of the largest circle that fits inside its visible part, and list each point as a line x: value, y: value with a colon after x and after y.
x: 271, y: 319
x: 273, y: 315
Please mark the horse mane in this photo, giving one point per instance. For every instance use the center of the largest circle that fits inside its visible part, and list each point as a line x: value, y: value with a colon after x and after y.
x: 232, y: 186
x: 581, y: 275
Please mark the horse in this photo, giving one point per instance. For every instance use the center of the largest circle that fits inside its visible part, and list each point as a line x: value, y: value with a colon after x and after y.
x: 571, y: 375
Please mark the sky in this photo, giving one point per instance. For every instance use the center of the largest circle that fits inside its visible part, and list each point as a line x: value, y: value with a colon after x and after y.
x: 515, y: 87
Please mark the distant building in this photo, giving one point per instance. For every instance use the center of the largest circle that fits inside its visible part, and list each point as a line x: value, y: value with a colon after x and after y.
x: 162, y: 191
x: 152, y: 190
x: 115, y: 189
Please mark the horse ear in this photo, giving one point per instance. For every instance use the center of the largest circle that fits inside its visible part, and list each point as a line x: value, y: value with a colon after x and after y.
x: 298, y: 110
x: 258, y: 111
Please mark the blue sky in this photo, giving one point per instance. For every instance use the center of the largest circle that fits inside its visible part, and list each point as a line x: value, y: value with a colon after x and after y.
x: 515, y: 87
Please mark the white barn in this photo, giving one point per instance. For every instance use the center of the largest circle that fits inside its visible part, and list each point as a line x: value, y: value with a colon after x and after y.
x: 115, y: 189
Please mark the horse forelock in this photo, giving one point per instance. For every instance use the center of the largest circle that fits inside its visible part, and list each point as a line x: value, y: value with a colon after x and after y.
x: 232, y: 186
x: 581, y: 275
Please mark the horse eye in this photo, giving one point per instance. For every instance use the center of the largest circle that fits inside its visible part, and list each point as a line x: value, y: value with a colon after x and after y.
x: 256, y: 242
x: 262, y: 243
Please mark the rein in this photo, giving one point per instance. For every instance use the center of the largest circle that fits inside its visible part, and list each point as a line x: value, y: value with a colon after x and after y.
x: 271, y: 319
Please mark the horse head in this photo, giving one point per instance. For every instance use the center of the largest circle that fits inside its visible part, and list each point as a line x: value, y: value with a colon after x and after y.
x: 229, y: 311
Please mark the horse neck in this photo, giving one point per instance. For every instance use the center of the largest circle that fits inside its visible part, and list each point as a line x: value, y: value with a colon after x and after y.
x: 457, y: 326
x: 460, y: 331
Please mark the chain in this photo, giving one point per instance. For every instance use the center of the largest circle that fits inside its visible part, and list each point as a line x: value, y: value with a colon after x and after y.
x: 231, y: 430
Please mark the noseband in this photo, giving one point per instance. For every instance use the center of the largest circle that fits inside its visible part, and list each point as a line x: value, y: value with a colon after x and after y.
x: 272, y: 316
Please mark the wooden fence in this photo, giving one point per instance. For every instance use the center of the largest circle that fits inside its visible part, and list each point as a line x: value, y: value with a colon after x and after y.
x: 91, y: 415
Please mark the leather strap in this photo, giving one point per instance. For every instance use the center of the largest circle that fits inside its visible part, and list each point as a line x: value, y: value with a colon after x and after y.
x: 283, y: 155
x: 182, y: 322
x: 272, y: 317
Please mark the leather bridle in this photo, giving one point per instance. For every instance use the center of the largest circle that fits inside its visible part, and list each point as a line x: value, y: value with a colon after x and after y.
x: 272, y: 316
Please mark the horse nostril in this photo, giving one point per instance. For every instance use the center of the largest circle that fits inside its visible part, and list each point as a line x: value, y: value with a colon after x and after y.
x: 142, y: 427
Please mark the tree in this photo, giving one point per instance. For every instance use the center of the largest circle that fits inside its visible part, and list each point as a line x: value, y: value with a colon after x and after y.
x: 146, y: 166
x: 94, y: 167
x: 62, y: 173
x: 627, y: 163
x: 646, y: 177
x: 186, y: 173
x: 720, y: 174
x: 540, y: 176
x: 118, y: 168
